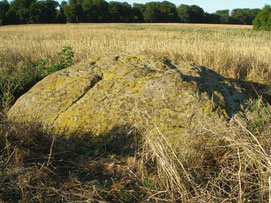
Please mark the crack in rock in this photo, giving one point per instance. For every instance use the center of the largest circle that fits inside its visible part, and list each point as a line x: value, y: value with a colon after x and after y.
x: 94, y: 82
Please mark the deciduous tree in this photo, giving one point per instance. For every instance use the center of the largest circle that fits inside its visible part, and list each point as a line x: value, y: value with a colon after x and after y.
x: 263, y: 19
x: 4, y: 7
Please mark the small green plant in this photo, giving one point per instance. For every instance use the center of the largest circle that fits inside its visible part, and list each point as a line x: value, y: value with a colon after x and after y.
x: 66, y: 60
x: 7, y: 96
x: 25, y: 75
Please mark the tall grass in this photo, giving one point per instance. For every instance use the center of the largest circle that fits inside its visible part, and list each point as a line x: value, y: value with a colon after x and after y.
x: 234, y: 51
x: 134, y: 163
x: 224, y: 164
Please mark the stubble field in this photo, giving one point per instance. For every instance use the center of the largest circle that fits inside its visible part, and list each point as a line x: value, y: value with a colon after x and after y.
x: 35, y: 166
x: 234, y: 51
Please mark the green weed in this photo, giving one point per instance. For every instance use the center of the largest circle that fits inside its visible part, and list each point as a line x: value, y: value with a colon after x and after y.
x: 65, y: 60
x: 19, y: 79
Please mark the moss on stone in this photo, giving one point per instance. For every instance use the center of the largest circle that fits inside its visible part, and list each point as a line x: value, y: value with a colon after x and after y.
x: 103, y: 92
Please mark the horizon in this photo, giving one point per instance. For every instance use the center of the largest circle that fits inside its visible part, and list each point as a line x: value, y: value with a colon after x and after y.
x: 209, y: 6
x: 212, y: 6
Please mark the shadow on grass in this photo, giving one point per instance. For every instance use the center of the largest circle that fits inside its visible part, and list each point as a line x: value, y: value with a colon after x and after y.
x: 36, y: 166
x: 255, y: 90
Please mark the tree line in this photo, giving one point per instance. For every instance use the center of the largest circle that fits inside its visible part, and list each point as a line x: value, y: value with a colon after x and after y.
x: 100, y: 11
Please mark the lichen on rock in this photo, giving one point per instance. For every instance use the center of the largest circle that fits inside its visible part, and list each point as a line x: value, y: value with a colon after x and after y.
x: 103, y: 92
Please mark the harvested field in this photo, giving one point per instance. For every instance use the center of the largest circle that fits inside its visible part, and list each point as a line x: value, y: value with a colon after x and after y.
x: 228, y: 164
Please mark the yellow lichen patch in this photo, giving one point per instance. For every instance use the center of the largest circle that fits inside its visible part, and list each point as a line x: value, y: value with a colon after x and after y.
x: 137, y: 85
x: 111, y: 76
x: 112, y: 69
x: 209, y: 108
x: 105, y: 92
x: 93, y: 59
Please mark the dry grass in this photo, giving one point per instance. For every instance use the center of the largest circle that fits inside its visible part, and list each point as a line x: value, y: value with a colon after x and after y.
x: 234, y: 51
x: 224, y: 165
x: 229, y: 164
x: 39, y: 167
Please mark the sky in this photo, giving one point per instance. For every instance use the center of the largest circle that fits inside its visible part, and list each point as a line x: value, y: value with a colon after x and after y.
x: 211, y: 6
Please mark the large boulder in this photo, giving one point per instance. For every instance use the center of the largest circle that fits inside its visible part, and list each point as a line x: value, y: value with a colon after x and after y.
x: 104, y: 92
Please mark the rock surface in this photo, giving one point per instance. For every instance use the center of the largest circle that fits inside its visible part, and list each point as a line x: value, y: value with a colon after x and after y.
x: 104, y: 92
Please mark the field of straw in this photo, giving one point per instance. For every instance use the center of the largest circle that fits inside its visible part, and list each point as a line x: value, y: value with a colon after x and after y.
x: 234, y: 51
x: 231, y: 164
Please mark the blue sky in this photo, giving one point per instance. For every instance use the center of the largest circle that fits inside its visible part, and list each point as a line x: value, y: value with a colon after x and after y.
x: 212, y: 5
